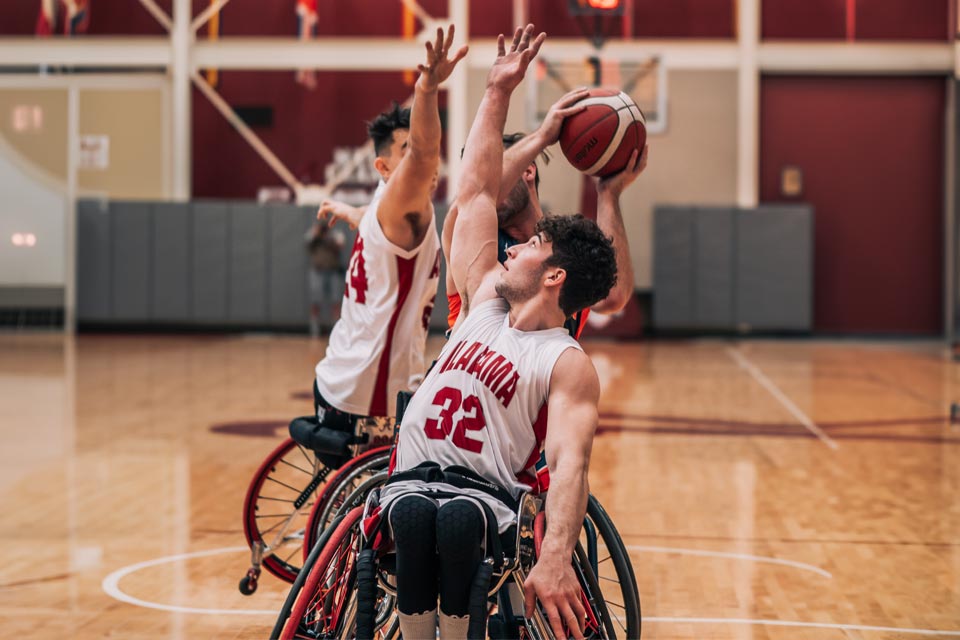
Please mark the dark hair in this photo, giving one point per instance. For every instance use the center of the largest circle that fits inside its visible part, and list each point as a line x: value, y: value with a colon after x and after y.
x: 510, y: 139
x: 581, y: 249
x: 381, y: 128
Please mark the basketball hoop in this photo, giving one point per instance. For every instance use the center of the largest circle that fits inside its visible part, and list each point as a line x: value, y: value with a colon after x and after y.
x: 597, y: 18
x: 643, y: 78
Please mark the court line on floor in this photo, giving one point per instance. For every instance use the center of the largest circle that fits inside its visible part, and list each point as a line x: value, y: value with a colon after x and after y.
x: 798, y: 623
x: 736, y: 556
x: 775, y: 391
x: 111, y: 585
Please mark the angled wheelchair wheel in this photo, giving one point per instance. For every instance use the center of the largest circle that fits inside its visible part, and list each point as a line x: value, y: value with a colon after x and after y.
x: 601, y: 549
x: 338, y: 488
x: 281, y: 496
x: 325, y: 605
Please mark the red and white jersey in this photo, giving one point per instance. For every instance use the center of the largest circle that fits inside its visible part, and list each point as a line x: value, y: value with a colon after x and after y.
x: 483, y: 405
x: 377, y: 346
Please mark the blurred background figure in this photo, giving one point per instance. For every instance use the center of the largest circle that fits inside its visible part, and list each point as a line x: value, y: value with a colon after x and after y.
x: 325, y: 277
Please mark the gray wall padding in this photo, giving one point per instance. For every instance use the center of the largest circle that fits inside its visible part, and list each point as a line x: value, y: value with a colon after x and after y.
x: 210, y: 233
x: 171, y: 264
x: 730, y: 269
x: 130, y: 260
x: 93, y: 261
x: 247, y: 293
x: 205, y: 263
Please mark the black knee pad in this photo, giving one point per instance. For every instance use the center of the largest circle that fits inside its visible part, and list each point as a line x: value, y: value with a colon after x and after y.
x: 460, y: 530
x: 413, y: 520
x: 414, y: 524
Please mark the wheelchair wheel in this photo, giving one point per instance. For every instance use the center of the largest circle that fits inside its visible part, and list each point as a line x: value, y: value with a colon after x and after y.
x: 279, y: 500
x: 338, y: 487
x: 302, y: 576
x: 326, y: 606
x: 601, y: 548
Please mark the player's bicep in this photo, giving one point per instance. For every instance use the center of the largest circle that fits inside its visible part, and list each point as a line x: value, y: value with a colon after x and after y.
x: 572, y: 410
x: 405, y: 205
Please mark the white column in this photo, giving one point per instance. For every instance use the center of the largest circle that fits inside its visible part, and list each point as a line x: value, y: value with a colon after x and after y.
x: 520, y: 13
x: 458, y: 116
x: 748, y: 104
x: 181, y: 39
x: 70, y: 215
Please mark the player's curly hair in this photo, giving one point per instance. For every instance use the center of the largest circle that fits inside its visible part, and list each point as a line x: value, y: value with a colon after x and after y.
x: 587, y: 256
x: 381, y: 128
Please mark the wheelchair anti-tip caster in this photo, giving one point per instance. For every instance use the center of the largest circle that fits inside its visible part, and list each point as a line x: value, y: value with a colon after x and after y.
x: 248, y: 584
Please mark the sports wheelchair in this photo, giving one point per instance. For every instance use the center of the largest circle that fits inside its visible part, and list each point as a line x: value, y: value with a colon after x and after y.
x: 347, y: 591
x: 294, y: 495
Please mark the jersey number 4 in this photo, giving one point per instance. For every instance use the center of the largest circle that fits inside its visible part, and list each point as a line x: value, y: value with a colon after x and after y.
x: 451, y: 400
x: 357, y: 274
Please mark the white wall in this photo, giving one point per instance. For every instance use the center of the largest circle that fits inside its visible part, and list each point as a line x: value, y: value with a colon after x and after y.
x: 31, y: 203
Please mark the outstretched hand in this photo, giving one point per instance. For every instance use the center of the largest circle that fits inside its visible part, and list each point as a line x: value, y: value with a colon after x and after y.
x: 510, y: 66
x: 563, y: 108
x: 438, y: 66
x: 340, y: 211
x: 618, y: 182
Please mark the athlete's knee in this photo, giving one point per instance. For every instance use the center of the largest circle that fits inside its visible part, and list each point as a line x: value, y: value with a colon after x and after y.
x: 413, y: 523
x: 460, y: 531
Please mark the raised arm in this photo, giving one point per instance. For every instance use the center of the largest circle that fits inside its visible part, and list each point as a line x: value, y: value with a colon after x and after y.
x: 610, y: 221
x: 405, y: 211
x: 571, y: 424
x: 516, y: 160
x: 473, y: 254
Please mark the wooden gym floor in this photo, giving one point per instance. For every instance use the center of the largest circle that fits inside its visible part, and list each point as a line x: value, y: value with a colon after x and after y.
x: 766, y: 489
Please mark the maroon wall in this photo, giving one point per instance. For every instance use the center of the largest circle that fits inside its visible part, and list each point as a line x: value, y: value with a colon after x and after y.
x: 652, y: 18
x: 871, y: 19
x: 871, y: 152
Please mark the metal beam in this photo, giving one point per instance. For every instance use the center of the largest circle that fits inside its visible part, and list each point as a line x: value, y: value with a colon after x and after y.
x: 857, y: 58
x: 206, y: 14
x: 247, y: 133
x: 355, y: 54
x: 342, y: 54
x: 180, y: 40
x: 458, y: 110
x: 748, y: 104
x: 88, y: 51
x: 676, y: 54
x: 159, y: 14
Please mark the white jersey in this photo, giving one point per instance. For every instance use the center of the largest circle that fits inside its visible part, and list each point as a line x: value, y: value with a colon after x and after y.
x: 483, y: 405
x: 377, y: 346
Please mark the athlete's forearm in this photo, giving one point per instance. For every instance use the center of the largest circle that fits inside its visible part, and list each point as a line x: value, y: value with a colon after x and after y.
x: 610, y: 221
x: 425, y: 131
x: 517, y: 158
x: 483, y: 156
x: 566, y: 506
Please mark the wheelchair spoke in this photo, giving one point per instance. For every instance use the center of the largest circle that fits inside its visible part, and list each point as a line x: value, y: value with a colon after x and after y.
x: 276, y: 499
x: 296, y: 549
x: 270, y: 530
x: 283, y: 484
x: 300, y: 469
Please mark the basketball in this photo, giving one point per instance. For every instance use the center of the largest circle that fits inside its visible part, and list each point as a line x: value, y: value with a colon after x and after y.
x: 599, y: 140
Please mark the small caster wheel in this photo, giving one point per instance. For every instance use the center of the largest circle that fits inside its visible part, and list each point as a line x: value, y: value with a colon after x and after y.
x: 248, y: 585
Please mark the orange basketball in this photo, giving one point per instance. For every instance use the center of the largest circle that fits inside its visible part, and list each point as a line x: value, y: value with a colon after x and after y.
x: 599, y: 140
